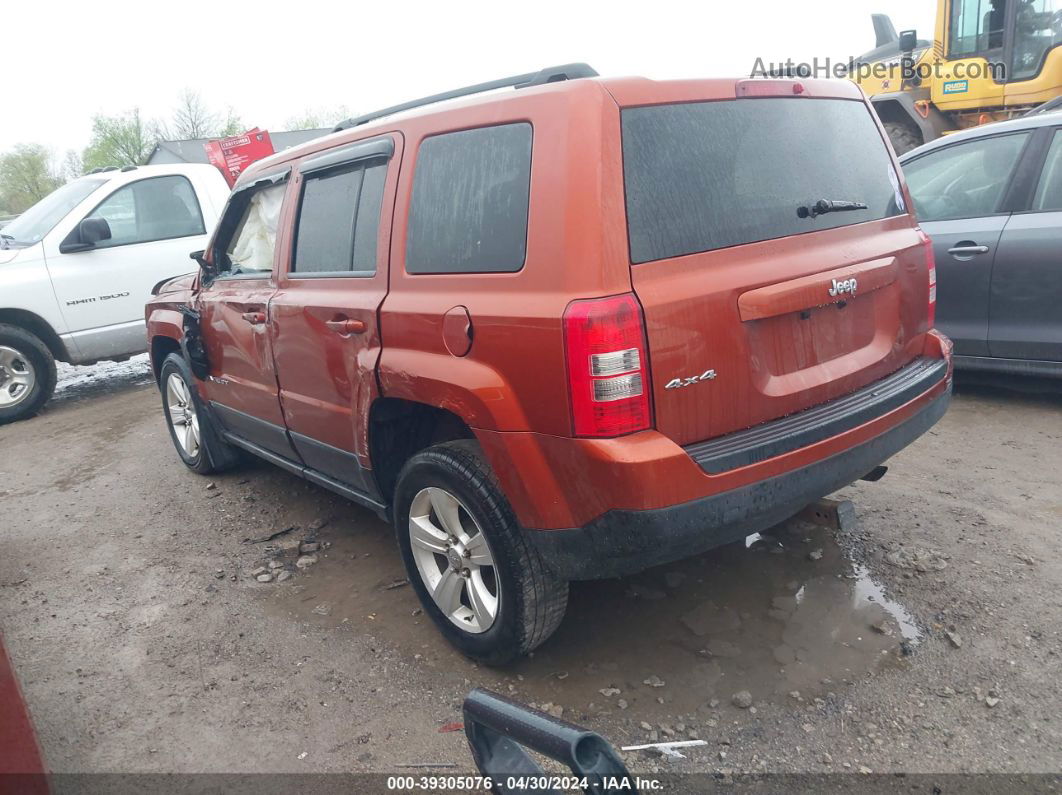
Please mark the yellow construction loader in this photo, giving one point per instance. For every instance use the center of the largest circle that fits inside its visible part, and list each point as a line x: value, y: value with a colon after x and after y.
x: 988, y: 60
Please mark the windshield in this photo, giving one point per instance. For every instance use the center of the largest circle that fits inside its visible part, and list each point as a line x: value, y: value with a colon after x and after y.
x: 708, y: 175
x: 39, y: 219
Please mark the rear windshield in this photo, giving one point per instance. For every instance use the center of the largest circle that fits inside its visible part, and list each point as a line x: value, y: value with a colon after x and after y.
x: 707, y: 175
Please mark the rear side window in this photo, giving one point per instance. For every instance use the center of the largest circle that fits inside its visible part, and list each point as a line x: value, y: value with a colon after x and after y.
x: 707, y: 175
x: 339, y: 219
x: 470, y: 197
x: 367, y: 221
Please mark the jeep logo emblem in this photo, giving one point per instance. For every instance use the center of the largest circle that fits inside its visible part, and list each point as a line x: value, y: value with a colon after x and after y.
x: 842, y: 286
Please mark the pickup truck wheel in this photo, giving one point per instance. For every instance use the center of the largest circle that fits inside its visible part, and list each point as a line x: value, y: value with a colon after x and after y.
x: 482, y: 583
x: 27, y: 374
x: 197, y: 440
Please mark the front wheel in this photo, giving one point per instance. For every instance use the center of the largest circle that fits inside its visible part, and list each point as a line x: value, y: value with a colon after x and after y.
x: 198, y: 442
x: 482, y: 583
x: 27, y: 374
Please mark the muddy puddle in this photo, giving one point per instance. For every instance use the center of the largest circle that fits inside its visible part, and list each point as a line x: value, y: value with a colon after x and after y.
x: 784, y: 612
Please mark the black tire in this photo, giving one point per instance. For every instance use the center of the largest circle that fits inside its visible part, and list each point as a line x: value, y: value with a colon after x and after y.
x: 36, y: 354
x: 214, y: 454
x: 531, y: 600
x: 904, y: 135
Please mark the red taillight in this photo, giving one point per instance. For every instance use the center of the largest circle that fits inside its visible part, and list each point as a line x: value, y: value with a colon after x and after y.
x: 931, y: 269
x: 608, y: 367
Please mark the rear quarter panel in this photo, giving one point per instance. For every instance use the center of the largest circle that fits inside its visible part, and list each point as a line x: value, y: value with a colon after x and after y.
x: 513, y: 377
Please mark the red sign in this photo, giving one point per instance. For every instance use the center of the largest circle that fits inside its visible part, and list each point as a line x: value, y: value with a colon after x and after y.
x: 232, y: 155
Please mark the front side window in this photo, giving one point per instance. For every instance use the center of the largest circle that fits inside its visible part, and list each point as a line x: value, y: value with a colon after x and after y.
x: 339, y: 220
x: 160, y: 208
x: 975, y: 26
x: 471, y: 192
x: 707, y: 175
x: 249, y: 250
x: 1037, y: 28
x: 963, y: 181
x: 1049, y: 190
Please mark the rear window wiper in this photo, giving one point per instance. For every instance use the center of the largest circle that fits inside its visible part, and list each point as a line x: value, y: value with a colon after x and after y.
x: 823, y: 206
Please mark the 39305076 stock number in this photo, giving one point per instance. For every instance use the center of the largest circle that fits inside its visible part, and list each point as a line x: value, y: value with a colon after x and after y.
x: 485, y: 783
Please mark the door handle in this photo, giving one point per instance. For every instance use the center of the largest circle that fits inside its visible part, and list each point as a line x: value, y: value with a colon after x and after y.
x: 965, y: 249
x: 346, y: 326
x: 255, y: 318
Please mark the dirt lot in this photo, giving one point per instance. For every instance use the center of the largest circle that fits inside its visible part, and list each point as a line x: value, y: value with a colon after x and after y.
x: 930, y: 639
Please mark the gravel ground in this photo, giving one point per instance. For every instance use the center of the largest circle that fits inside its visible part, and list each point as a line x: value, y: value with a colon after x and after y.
x: 927, y: 639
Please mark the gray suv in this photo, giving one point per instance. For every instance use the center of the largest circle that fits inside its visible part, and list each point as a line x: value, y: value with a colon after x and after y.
x: 991, y: 200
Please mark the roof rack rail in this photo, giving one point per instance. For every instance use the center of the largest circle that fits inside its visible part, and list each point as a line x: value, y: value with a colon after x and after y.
x: 551, y: 74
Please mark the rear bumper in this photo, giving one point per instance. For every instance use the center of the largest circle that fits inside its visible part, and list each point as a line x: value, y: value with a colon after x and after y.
x: 817, y: 424
x: 625, y: 541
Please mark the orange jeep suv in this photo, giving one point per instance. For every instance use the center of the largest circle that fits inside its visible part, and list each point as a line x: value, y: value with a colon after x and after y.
x: 565, y: 331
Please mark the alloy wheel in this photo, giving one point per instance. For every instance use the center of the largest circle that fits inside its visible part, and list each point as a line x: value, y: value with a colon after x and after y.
x: 182, y: 415
x: 17, y: 377
x: 454, y: 560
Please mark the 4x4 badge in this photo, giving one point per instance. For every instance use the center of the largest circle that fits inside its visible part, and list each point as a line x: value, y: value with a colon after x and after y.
x: 675, y: 383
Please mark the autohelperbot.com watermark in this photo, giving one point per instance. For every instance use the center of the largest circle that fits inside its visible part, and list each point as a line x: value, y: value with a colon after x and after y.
x: 905, y: 68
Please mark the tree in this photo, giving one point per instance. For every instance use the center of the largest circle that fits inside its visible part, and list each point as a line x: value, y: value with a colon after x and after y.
x: 233, y: 124
x: 316, y: 118
x: 71, y: 167
x: 125, y: 140
x: 193, y: 119
x: 26, y: 177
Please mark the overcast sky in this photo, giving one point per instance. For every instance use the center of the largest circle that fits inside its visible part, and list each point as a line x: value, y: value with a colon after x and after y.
x: 271, y: 61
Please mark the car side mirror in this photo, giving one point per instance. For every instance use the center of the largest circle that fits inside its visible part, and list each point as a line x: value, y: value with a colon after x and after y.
x: 86, y: 235
x: 204, y: 263
x: 908, y: 40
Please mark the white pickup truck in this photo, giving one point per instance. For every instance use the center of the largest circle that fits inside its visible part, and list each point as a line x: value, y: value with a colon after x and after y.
x: 77, y: 267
